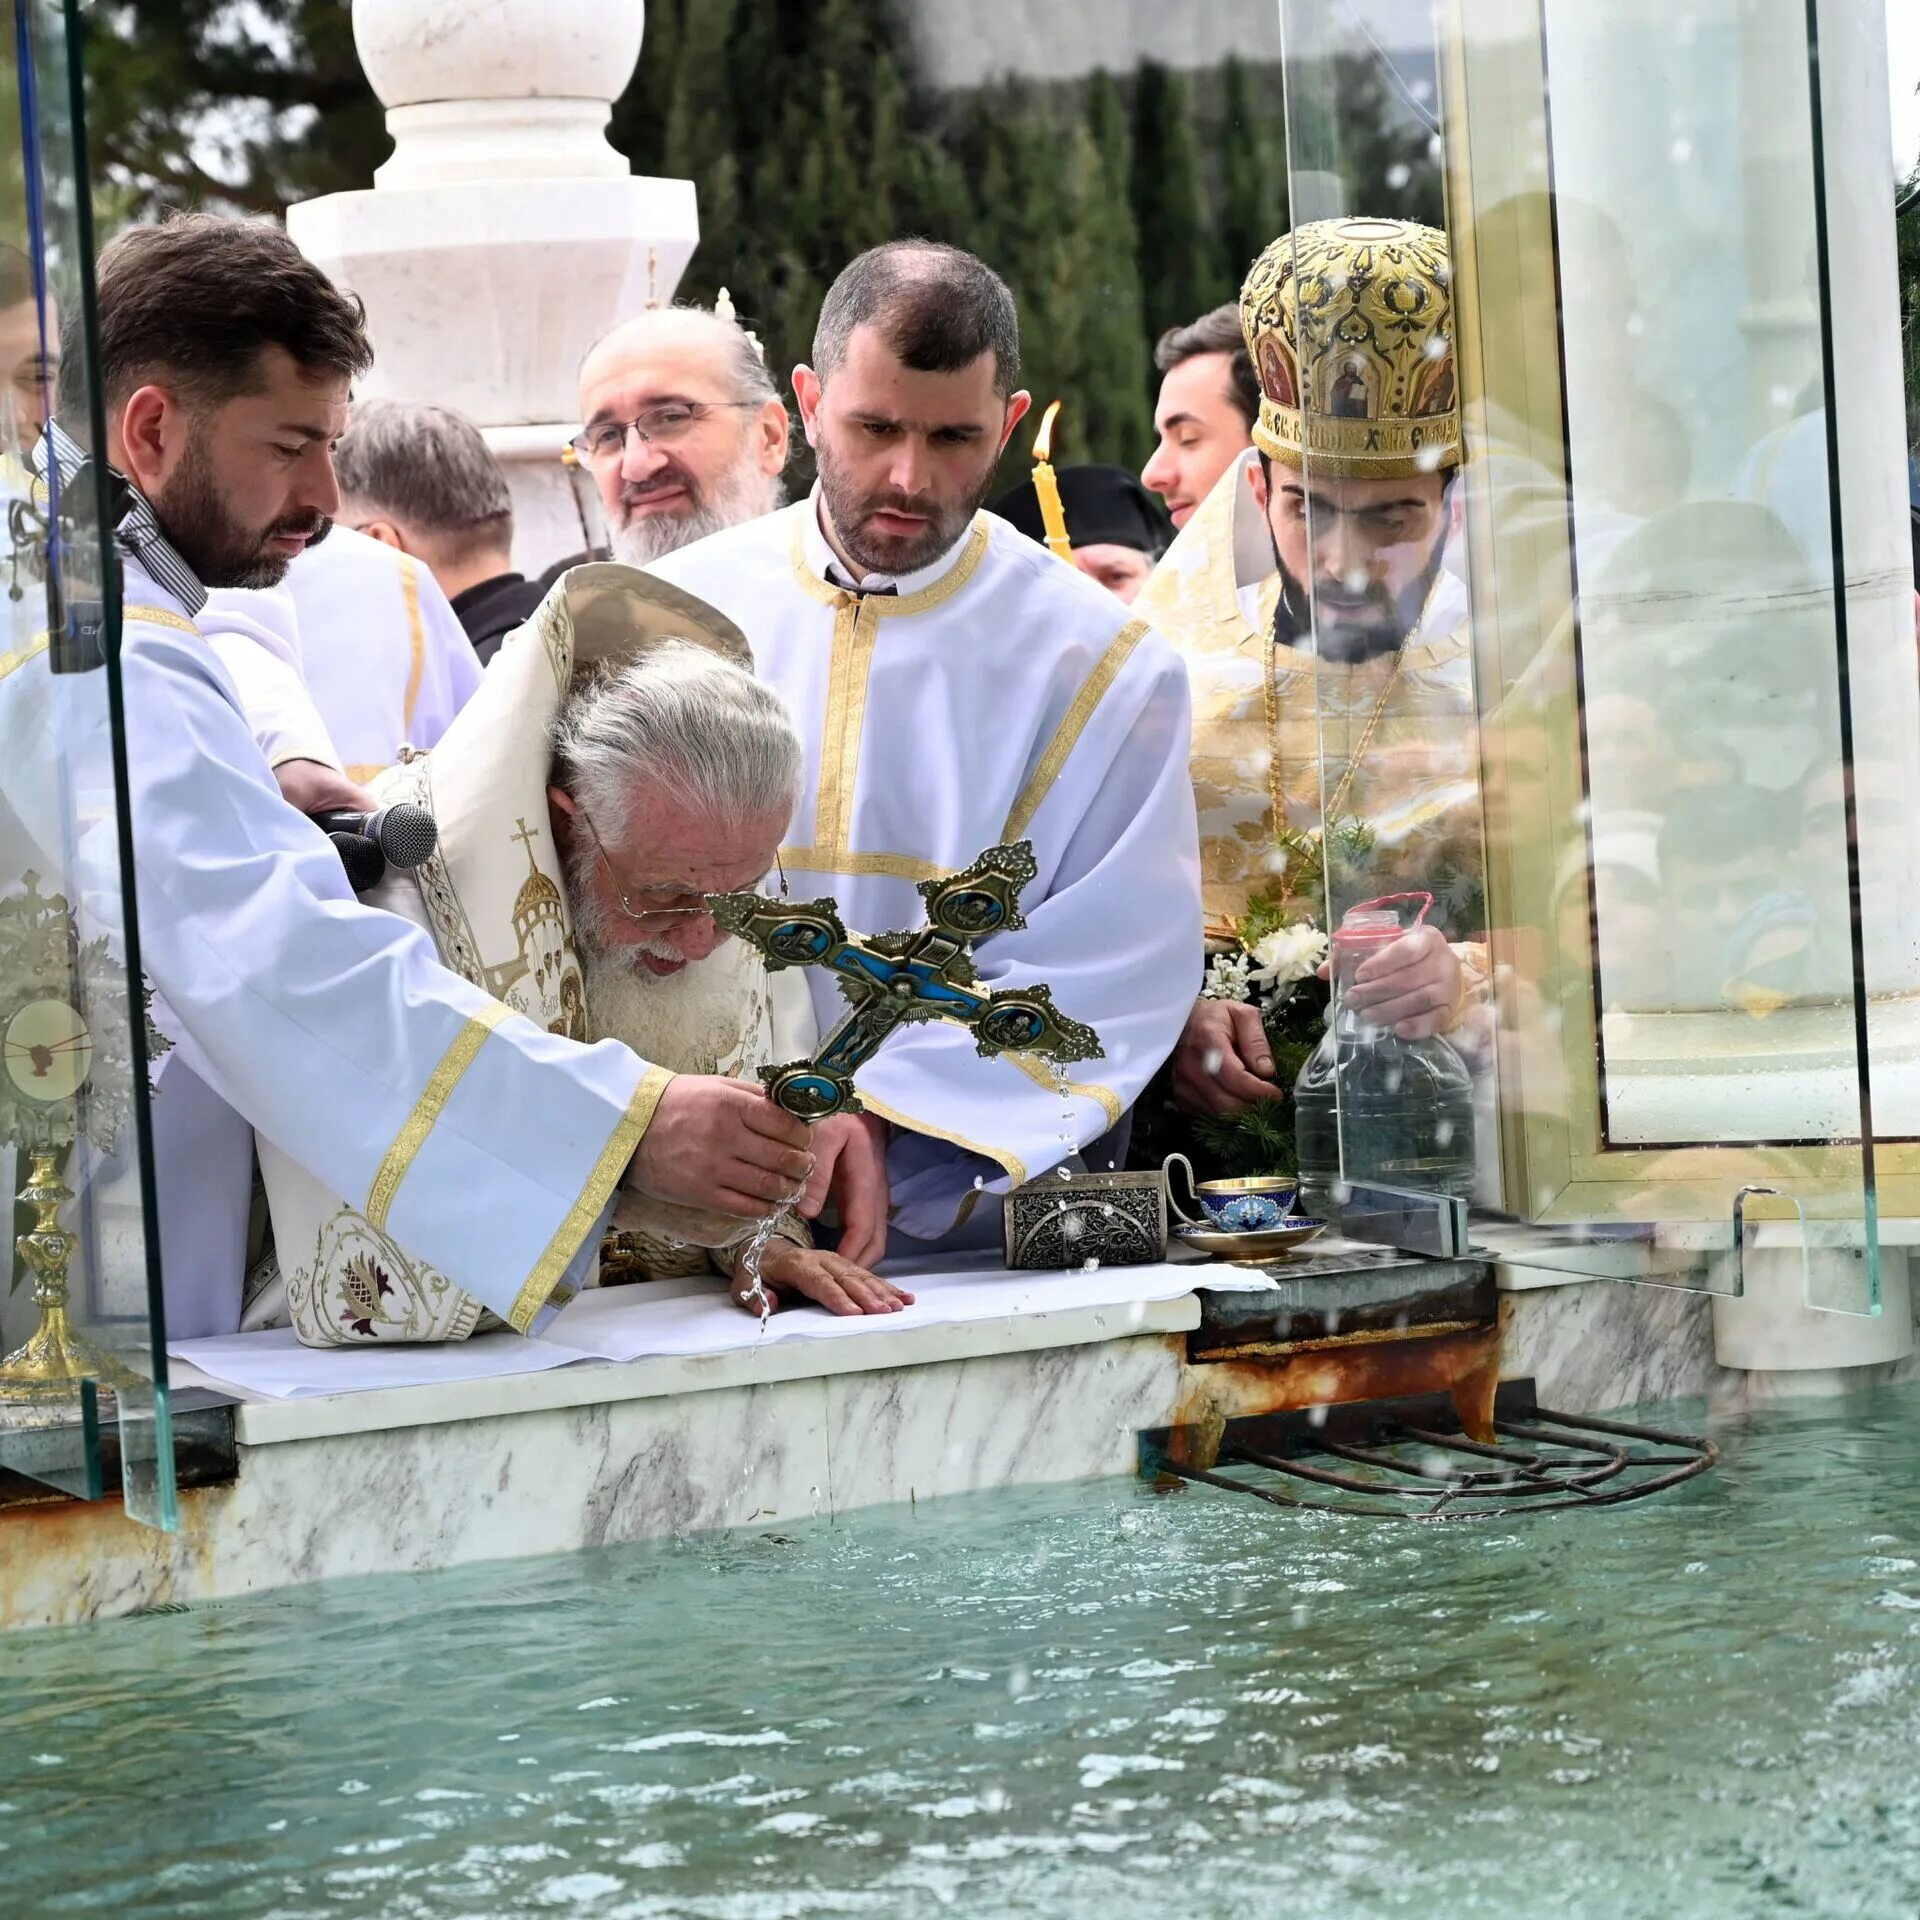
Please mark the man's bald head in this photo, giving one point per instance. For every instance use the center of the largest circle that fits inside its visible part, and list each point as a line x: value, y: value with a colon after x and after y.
x: 712, y: 431
x: 937, y: 308
x: 689, y: 331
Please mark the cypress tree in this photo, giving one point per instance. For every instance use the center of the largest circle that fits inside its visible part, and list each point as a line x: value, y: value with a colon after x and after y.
x: 1115, y: 384
x: 1252, y: 200
x: 1177, y: 249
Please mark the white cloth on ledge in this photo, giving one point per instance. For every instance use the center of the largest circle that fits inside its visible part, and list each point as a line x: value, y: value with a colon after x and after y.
x: 691, y: 1319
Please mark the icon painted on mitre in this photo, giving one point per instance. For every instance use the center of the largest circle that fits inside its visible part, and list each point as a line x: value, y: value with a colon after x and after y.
x: 1350, y: 397
x: 1276, y: 375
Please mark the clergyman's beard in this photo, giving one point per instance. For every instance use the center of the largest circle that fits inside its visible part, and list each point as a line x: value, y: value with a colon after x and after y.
x: 1349, y: 630
x: 850, y: 509
x: 743, y: 492
x: 687, y: 1022
x: 222, y: 552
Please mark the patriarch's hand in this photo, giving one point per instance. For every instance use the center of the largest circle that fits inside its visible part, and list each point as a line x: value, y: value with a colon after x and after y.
x: 721, y: 1146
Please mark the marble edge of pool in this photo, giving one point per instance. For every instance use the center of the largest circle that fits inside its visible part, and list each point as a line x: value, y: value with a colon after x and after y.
x: 591, y: 1382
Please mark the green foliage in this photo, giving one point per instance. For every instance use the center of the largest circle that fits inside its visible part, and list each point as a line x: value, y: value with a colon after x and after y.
x: 1261, y: 1139
x: 1114, y: 206
x: 1174, y: 233
x: 202, y: 100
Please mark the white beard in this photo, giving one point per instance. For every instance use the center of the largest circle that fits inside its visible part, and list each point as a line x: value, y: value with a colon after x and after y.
x: 745, y: 493
x: 699, y: 1020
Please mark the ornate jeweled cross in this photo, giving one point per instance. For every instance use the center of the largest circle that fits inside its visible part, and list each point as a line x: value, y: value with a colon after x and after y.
x: 892, y: 979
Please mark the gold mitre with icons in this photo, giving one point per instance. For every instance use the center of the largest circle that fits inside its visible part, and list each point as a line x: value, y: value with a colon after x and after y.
x: 1350, y: 325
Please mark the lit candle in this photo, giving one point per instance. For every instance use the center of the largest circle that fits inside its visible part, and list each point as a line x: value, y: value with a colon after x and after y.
x: 1052, y: 514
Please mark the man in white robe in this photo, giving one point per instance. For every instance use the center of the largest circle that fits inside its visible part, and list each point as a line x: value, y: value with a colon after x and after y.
x: 490, y: 1147
x: 957, y: 687
x: 619, y: 764
x: 354, y: 656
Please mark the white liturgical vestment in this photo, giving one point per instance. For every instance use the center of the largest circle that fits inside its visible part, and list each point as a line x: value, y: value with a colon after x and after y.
x: 353, y: 656
x: 489, y: 1146
x: 996, y: 695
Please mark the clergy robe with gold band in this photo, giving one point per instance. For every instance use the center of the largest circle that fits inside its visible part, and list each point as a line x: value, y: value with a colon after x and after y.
x: 994, y: 695
x: 486, y: 1144
x: 365, y: 628
x: 493, y: 898
x: 1416, y: 786
x: 255, y: 637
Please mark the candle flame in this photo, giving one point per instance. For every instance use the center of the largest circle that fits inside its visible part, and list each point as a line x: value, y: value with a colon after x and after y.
x: 1043, y: 440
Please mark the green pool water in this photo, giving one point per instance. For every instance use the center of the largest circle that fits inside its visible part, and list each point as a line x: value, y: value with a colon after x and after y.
x: 1083, y: 1701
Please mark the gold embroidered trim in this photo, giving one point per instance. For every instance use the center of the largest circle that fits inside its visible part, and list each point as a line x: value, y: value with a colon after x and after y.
x: 427, y: 1110
x: 361, y: 772
x: 856, y: 630
x: 1073, y: 723
x: 416, y: 634
x: 804, y: 576
x: 21, y: 655
x: 1041, y: 1075
x: 159, y: 617
x: 546, y: 1275
x: 894, y: 1117
x: 896, y: 866
x: 854, y: 634
x: 949, y: 583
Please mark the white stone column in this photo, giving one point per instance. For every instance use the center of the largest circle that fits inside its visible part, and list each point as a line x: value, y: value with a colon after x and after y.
x: 504, y: 234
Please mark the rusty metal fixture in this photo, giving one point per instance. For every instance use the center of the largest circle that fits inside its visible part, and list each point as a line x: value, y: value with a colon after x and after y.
x: 1402, y: 1452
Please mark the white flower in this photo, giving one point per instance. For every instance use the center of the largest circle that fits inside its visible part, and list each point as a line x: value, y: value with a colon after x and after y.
x: 1288, y: 954
x: 1229, y: 977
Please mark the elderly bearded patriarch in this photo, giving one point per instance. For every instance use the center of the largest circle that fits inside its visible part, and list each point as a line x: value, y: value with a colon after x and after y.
x: 581, y: 833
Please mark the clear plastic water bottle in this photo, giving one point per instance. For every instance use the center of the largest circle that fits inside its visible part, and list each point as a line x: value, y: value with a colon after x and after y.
x: 1403, y: 1107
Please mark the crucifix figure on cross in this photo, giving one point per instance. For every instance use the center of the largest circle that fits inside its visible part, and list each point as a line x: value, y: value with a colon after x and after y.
x: 890, y: 980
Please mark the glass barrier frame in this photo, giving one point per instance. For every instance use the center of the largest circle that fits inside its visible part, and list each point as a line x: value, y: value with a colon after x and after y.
x: 97, y: 1217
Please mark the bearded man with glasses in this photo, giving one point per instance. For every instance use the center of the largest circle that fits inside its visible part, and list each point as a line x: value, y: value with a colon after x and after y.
x: 685, y: 433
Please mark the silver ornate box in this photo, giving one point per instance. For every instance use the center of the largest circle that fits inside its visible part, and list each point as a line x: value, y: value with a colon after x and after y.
x: 1115, y: 1219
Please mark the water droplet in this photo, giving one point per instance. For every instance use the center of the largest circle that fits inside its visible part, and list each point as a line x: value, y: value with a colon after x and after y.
x: 1398, y: 175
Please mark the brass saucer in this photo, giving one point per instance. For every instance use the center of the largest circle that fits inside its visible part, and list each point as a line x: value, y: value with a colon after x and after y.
x: 1262, y: 1243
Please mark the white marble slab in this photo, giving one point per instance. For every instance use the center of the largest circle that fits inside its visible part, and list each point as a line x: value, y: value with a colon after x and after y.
x: 558, y: 1478
x: 1605, y: 1344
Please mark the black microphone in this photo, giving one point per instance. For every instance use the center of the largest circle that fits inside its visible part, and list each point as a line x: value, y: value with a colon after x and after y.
x: 405, y: 835
x: 366, y: 865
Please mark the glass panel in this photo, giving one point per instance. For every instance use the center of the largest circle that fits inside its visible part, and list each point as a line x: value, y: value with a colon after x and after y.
x: 1595, y: 662
x: 80, y: 1306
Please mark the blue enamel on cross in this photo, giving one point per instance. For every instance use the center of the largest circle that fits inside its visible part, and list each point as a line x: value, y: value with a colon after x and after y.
x: 891, y: 980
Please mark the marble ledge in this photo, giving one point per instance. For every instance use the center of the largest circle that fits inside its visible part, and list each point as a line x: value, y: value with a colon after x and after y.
x: 266, y: 1423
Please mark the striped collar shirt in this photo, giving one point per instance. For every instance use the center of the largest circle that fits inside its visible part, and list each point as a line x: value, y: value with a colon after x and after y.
x: 137, y: 530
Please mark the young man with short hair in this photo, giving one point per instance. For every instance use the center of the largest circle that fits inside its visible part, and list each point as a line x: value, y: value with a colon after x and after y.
x: 1208, y: 403
x: 957, y: 687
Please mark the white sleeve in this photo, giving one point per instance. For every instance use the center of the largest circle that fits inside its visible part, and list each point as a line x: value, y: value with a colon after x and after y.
x: 485, y: 1145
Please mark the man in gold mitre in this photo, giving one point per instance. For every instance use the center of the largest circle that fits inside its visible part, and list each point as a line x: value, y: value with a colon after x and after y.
x: 1326, y: 642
